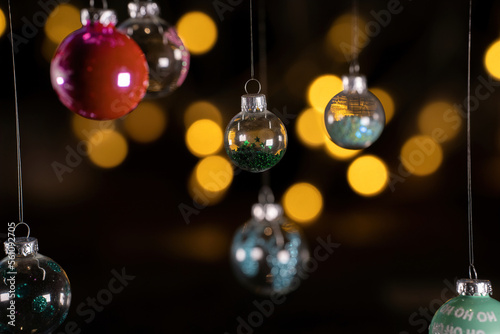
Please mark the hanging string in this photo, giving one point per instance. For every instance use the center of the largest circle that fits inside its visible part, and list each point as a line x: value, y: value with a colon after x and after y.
x: 252, y: 67
x: 354, y: 68
x: 263, y: 46
x: 18, y: 134
x: 472, y: 268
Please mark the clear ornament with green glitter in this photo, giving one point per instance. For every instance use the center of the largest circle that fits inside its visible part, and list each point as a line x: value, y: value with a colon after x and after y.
x: 37, y: 287
x: 255, y: 139
x: 354, y: 118
x: 472, y: 312
x: 268, y: 252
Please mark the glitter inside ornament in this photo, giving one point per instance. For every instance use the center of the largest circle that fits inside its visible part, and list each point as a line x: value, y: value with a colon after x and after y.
x: 472, y: 312
x: 268, y: 252
x: 167, y: 57
x: 37, y: 285
x: 97, y: 71
x: 255, y: 139
x: 354, y: 118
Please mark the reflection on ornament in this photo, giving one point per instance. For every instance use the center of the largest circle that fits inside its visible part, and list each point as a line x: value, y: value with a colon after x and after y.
x: 39, y: 289
x: 268, y: 251
x: 354, y: 118
x: 97, y: 71
x: 472, y: 312
x: 255, y: 139
x: 167, y: 57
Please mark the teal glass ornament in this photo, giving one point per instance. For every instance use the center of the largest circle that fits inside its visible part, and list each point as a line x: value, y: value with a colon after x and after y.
x: 269, y: 252
x: 35, y: 293
x: 472, y: 312
x: 354, y: 118
x: 256, y: 139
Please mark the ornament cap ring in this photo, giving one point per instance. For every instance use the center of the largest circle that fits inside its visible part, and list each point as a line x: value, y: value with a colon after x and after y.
x: 23, y: 223
x: 250, y: 80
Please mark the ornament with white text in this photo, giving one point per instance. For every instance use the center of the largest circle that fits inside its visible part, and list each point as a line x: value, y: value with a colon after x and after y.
x: 97, y: 71
x: 473, y: 311
x: 268, y: 252
x: 35, y: 291
x: 167, y: 57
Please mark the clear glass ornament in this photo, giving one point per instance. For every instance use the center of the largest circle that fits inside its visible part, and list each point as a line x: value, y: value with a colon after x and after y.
x: 472, y: 312
x: 354, y: 118
x: 255, y: 139
x: 268, y: 252
x: 41, y: 288
x: 167, y: 57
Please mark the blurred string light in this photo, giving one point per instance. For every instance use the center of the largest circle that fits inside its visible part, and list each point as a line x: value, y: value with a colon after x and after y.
x: 146, y: 123
x: 339, y: 38
x: 107, y: 149
x: 368, y: 175
x: 202, y: 110
x: 210, y: 180
x: 440, y: 120
x: 198, y: 32
x: 303, y: 202
x: 62, y: 21
x: 3, y: 23
x: 84, y: 128
x: 322, y: 89
x: 421, y: 155
x: 204, y: 137
x: 337, y: 152
x: 310, y: 128
x: 387, y: 102
x: 491, y: 59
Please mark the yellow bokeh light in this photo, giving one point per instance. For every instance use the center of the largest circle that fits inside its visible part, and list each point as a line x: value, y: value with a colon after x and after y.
x: 303, y: 202
x: 322, y: 89
x: 146, y: 124
x: 491, y: 59
x: 340, y: 38
x: 368, y: 175
x: 3, y: 23
x: 201, y: 195
x: 202, y: 110
x: 61, y: 22
x: 204, y: 137
x: 310, y: 128
x: 421, y: 155
x: 85, y: 128
x: 440, y: 120
x: 338, y: 152
x: 198, y: 32
x: 387, y: 102
x: 48, y: 49
x: 107, y: 149
x: 214, y: 173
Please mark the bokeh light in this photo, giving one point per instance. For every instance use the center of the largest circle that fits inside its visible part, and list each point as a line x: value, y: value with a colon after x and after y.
x: 146, y: 124
x: 198, y: 32
x: 310, y: 128
x: 440, y: 120
x: 107, y: 149
x: 387, y: 102
x: 368, y: 175
x: 338, y: 152
x: 214, y: 173
x: 491, y: 59
x: 303, y: 202
x: 421, y: 155
x: 3, y: 23
x: 201, y: 195
x: 202, y: 110
x: 340, y: 38
x: 322, y: 89
x: 85, y: 129
x: 61, y: 22
x: 204, y: 137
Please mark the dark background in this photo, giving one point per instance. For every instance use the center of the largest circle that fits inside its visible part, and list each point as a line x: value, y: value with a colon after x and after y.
x: 397, y: 250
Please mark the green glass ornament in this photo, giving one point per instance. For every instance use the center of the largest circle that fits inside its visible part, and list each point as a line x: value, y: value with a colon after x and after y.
x: 472, y: 312
x: 35, y: 293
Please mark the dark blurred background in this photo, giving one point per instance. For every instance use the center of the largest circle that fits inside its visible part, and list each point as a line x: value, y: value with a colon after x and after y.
x: 400, y: 249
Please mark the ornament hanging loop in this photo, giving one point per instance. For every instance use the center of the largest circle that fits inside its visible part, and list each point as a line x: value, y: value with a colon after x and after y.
x: 472, y: 270
x: 250, y: 80
x: 23, y: 223
x: 104, y: 4
x: 266, y: 195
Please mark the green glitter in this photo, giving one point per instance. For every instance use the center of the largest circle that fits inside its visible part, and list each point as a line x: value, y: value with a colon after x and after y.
x: 22, y: 290
x: 54, y: 266
x: 251, y: 159
x: 39, y: 304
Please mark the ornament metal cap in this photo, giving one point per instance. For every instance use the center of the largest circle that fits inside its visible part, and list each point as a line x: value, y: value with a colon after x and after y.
x: 354, y: 83
x: 268, y: 212
x: 95, y: 15
x: 253, y: 102
x: 474, y: 287
x: 143, y: 8
x: 22, y: 246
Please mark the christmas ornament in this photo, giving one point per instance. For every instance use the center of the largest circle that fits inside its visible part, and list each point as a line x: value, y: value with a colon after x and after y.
x: 167, y: 57
x: 255, y: 139
x: 473, y: 311
x: 35, y: 291
x: 97, y: 71
x: 268, y: 252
